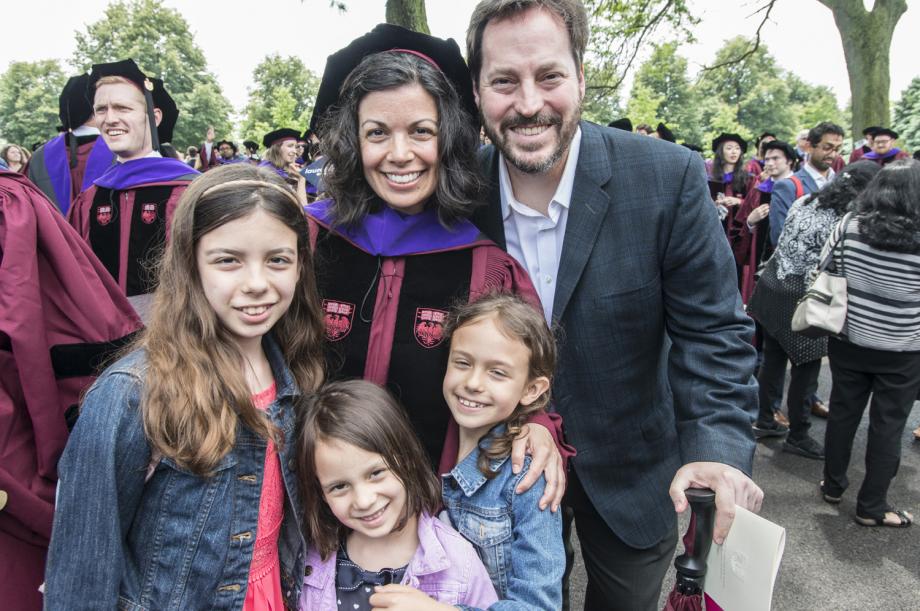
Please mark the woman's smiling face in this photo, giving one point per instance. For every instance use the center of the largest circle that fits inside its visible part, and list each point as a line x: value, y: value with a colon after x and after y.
x: 398, y: 132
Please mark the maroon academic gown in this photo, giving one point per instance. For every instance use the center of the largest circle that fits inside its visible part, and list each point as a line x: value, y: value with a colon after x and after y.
x: 386, y: 288
x: 724, y: 186
x: 750, y: 247
x: 857, y: 154
x: 61, y: 315
x: 127, y: 223
x: 892, y: 155
x: 208, y: 162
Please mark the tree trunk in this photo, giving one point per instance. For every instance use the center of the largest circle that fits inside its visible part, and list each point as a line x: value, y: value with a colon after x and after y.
x: 409, y: 14
x: 866, y: 38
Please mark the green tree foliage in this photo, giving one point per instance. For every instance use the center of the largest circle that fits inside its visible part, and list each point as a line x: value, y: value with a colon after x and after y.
x: 663, y: 78
x: 282, y: 94
x: 159, y: 40
x: 29, y: 94
x: 907, y: 116
x: 812, y: 104
x: 750, y: 95
x: 747, y: 97
x: 754, y: 95
x: 619, y: 29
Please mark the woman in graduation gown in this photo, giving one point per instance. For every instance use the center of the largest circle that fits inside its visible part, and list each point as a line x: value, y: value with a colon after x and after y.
x: 281, y: 155
x: 729, y: 182
x: 393, y: 247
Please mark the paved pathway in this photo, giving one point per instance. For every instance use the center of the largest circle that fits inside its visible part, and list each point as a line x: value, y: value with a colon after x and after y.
x: 830, y: 562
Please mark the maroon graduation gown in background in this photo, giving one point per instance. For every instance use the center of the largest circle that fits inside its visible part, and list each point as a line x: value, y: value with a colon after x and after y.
x: 892, y: 155
x: 128, y: 227
x: 61, y: 315
x: 52, y: 170
x: 208, y: 162
x: 750, y: 247
x: 858, y: 153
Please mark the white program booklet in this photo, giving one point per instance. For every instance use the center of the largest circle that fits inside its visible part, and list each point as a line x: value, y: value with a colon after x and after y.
x: 741, y: 572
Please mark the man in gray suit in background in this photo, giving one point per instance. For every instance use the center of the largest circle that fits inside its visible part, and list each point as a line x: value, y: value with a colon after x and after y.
x: 622, y: 242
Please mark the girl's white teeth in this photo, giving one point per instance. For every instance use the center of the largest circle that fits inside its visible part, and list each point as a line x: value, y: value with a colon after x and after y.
x: 403, y: 178
x: 374, y: 515
x: 531, y: 131
x: 470, y: 404
x: 116, y: 132
x: 255, y: 310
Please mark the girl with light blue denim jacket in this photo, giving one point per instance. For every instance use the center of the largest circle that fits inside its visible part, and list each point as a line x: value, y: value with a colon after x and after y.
x: 369, y: 495
x: 176, y: 488
x: 501, y: 361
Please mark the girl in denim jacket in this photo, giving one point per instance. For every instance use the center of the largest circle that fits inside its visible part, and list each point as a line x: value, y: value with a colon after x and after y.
x: 502, y: 357
x: 176, y: 490
x: 369, y: 495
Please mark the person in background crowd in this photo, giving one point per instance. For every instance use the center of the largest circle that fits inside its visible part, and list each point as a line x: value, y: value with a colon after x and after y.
x: 655, y: 323
x: 755, y: 166
x: 663, y: 133
x: 207, y: 152
x: 883, y: 149
x: 302, y: 151
x: 866, y: 145
x: 801, y: 144
x: 728, y: 181
x: 69, y: 163
x: 644, y: 129
x: 878, y: 352
x: 191, y: 157
x: 749, y: 234
x: 229, y: 153
x: 15, y: 158
x: 808, y: 225
x: 252, y: 151
x: 625, y: 124
x: 126, y: 213
x: 823, y: 143
x: 281, y: 156
x: 169, y: 151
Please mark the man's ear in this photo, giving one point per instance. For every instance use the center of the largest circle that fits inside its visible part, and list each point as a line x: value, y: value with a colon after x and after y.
x: 535, y: 389
x: 581, y: 80
x: 157, y: 115
x: 476, y: 91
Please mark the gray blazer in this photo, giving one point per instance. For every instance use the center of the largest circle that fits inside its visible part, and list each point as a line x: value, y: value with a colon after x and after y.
x: 655, y: 360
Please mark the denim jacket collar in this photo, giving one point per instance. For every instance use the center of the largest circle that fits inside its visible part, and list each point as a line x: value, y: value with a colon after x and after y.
x: 285, y: 385
x: 467, y: 473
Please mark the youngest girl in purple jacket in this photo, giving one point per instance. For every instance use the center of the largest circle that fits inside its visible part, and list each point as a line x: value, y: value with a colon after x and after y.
x: 369, y: 496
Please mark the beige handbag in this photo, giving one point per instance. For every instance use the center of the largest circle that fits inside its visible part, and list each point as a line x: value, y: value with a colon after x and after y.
x: 823, y: 309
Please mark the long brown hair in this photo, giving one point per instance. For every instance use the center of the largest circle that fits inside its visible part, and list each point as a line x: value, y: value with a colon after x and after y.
x: 367, y: 416
x: 518, y: 321
x: 195, y: 392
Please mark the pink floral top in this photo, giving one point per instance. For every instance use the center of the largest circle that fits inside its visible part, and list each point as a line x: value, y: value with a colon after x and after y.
x: 264, y: 590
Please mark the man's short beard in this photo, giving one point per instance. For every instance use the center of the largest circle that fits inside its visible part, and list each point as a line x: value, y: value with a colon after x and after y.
x: 567, y: 132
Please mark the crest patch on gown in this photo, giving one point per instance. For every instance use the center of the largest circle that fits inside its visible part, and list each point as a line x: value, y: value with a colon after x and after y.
x: 104, y: 215
x: 429, y: 326
x: 149, y: 213
x: 337, y: 316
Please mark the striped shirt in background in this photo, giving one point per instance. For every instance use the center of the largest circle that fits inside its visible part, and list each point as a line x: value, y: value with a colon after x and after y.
x: 883, y: 292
